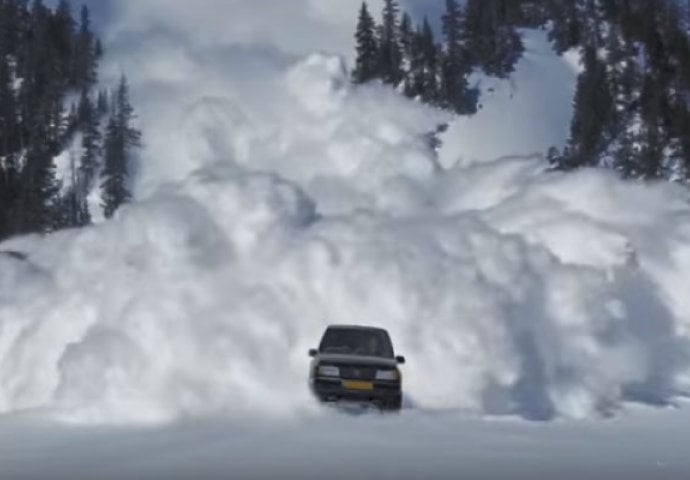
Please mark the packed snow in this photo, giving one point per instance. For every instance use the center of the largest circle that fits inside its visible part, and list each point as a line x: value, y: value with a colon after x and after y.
x: 413, y: 445
x: 273, y: 198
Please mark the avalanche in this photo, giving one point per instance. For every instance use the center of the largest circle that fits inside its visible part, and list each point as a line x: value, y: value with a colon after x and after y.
x: 273, y: 199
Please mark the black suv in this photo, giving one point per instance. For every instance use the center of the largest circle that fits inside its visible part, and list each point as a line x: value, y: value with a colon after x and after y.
x: 358, y: 364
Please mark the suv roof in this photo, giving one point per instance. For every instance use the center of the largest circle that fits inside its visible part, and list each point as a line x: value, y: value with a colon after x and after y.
x: 354, y: 327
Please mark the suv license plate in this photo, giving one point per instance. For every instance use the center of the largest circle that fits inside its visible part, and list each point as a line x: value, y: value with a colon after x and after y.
x: 351, y: 385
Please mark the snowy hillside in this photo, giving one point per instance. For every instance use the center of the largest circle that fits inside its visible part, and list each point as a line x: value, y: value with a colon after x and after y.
x: 274, y: 199
x: 523, y: 115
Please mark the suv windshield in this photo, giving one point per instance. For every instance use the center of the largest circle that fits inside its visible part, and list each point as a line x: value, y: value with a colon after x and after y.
x: 373, y: 343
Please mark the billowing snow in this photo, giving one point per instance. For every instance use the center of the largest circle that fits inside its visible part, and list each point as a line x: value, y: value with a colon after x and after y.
x: 273, y: 199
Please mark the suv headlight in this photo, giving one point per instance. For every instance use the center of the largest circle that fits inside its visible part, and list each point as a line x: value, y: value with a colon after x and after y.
x: 329, y: 371
x: 390, y: 375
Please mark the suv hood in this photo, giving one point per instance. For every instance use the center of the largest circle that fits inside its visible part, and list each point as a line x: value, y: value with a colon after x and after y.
x: 339, y: 359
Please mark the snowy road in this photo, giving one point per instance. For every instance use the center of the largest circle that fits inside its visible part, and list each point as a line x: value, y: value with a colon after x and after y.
x: 641, y: 444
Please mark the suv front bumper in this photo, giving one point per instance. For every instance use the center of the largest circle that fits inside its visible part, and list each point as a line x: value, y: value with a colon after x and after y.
x: 385, y: 394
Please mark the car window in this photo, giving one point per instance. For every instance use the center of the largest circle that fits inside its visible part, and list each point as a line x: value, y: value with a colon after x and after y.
x: 374, y: 343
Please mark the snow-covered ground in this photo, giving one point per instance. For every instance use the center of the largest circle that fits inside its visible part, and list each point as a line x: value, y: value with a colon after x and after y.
x: 415, y: 445
x: 273, y: 199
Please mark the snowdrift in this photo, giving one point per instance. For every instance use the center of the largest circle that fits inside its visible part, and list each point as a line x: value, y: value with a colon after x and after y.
x: 274, y: 199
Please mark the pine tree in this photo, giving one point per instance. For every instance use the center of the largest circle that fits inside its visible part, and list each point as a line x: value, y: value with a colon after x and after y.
x: 63, y: 26
x: 625, y: 156
x: 508, y: 50
x: 102, y: 102
x: 9, y: 185
x: 120, y: 141
x: 85, y: 59
x: 431, y: 57
x: 8, y: 142
x: 494, y: 43
x: 455, y: 65
x: 72, y: 208
x: 115, y: 190
x: 554, y: 157
x: 566, y: 29
x: 593, y: 113
x: 532, y: 14
x: 684, y: 136
x: 368, y: 56
x: 52, y: 55
x: 8, y: 112
x: 407, y: 47
x: 12, y: 25
x: 390, y: 55
x: 91, y: 146
x: 650, y: 160
x: 624, y: 80
x: 38, y: 191
x: 415, y: 74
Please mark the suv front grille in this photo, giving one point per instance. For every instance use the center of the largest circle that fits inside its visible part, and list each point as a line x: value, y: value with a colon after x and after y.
x: 357, y: 373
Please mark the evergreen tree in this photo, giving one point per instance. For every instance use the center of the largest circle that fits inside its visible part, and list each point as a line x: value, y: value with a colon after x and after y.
x: 624, y: 80
x: 406, y: 36
x: 456, y: 65
x: 91, y: 146
x: 684, y: 139
x: 650, y: 160
x: 85, y: 59
x: 593, y: 113
x: 390, y: 55
x: 430, y: 59
x: 532, y: 13
x: 554, y: 157
x: 626, y: 153
x: 415, y: 60
x: 407, y: 48
x: 37, y: 192
x: 120, y: 141
x: 102, y: 102
x: 72, y: 208
x: 115, y: 189
x: 8, y: 144
x: 494, y: 43
x: 9, y: 191
x: 8, y: 29
x: 8, y: 112
x: 46, y: 55
x: 63, y: 26
x: 566, y: 29
x: 368, y: 56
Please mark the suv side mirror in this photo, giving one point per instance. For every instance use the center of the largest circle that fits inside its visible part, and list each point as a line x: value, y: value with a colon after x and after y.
x: 400, y: 360
x: 312, y: 352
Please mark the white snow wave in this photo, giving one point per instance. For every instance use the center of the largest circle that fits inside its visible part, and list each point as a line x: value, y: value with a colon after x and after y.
x: 276, y: 199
